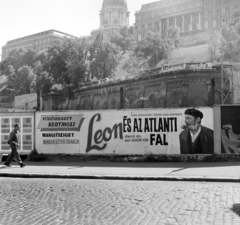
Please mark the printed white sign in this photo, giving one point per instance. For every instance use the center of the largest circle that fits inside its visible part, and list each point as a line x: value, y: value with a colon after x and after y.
x: 153, y: 131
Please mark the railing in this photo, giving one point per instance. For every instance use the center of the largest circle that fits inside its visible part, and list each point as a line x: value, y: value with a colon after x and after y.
x: 154, y: 71
x: 177, y: 67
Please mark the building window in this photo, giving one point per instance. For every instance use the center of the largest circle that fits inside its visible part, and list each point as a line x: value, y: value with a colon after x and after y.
x: 214, y: 13
x: 153, y: 5
x: 153, y: 26
x: 206, y: 3
x: 139, y: 37
x: 145, y: 6
x: 156, y: 27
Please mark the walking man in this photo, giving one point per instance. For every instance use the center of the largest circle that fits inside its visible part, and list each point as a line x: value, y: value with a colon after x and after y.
x: 13, y: 142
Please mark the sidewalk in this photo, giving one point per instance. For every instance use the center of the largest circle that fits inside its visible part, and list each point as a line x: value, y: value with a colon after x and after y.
x: 225, y: 171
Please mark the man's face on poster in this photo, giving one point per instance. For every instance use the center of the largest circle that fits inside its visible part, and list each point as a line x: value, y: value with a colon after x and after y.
x: 192, y: 122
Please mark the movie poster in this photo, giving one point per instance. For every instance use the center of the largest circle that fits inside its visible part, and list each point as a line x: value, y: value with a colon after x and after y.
x: 230, y: 129
x: 26, y: 132
x: 155, y: 131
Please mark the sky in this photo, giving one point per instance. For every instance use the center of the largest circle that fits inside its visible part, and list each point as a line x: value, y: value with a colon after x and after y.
x: 19, y: 18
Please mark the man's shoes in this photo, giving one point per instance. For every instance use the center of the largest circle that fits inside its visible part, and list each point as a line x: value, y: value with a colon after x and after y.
x: 7, y: 165
x: 22, y: 165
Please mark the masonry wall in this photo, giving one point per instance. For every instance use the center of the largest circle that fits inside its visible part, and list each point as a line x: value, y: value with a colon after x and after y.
x: 25, y: 102
x: 170, y: 90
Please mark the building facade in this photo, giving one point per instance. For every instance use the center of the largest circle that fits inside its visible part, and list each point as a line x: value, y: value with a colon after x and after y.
x: 189, y: 15
x: 114, y: 15
x: 39, y: 41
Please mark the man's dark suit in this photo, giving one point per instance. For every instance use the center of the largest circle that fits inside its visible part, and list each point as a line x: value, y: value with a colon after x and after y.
x: 204, y: 142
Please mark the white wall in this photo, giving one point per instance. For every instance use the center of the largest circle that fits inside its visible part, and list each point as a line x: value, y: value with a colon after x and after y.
x: 25, y: 102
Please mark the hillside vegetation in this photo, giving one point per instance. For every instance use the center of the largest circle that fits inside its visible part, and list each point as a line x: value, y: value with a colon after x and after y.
x: 181, y: 55
x: 70, y: 63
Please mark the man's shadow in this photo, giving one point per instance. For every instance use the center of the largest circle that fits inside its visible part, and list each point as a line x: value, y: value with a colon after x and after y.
x: 4, y: 167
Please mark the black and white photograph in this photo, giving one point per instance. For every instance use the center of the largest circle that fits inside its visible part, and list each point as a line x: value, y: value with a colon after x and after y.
x: 119, y: 112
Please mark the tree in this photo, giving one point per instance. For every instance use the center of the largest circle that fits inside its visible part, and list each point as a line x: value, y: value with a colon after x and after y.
x: 41, y: 79
x: 124, y: 38
x: 103, y: 57
x: 230, y: 44
x: 230, y: 41
x: 12, y: 85
x: 174, y: 34
x: 154, y: 48
x: 24, y: 78
x: 56, y: 62
x: 236, y: 19
x: 18, y: 82
x: 13, y: 59
x: 66, y: 62
x: 77, y: 65
x: 28, y: 58
x: 18, y: 58
x: 213, y: 45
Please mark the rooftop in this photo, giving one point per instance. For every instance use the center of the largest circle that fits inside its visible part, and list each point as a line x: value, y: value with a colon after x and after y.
x: 122, y: 3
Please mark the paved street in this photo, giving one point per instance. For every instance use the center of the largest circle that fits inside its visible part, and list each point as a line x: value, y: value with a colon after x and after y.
x: 67, y: 201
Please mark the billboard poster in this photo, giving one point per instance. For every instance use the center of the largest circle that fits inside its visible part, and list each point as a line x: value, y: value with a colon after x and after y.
x: 27, y: 141
x: 155, y: 131
x: 230, y: 129
x: 5, y: 125
x: 27, y: 125
x: 4, y: 145
x: 25, y: 136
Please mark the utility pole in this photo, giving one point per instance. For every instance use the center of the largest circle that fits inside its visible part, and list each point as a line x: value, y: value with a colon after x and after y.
x: 222, y: 79
x: 213, y: 91
x: 232, y: 74
x: 39, y: 100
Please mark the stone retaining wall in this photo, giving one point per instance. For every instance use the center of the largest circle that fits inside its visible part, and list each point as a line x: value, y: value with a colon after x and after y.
x: 182, y: 88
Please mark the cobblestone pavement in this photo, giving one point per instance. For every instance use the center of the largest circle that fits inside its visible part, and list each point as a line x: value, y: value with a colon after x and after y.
x: 93, y: 202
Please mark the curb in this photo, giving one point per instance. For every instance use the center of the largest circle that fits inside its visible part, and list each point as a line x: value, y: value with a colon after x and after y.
x: 115, y: 177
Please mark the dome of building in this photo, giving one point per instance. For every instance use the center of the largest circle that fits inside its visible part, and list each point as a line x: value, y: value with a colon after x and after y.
x: 122, y: 3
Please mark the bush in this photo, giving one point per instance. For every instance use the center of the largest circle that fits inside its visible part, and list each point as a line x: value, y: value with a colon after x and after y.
x: 35, y: 156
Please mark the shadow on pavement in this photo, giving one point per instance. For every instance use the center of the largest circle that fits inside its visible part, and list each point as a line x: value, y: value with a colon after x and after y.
x: 5, y: 167
x: 173, y: 165
x: 178, y: 170
x: 236, y: 209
